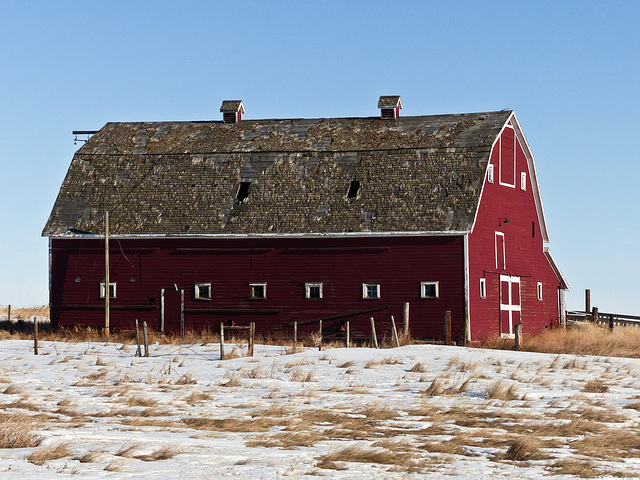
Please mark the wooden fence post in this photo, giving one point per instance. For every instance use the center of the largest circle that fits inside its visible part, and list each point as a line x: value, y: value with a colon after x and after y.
x: 320, y: 336
x: 405, y: 325
x: 611, y: 321
x: 221, y: 340
x: 518, y: 331
x: 295, y: 337
x: 252, y: 339
x: 9, y: 313
x: 394, y: 331
x: 35, y: 336
x: 447, y: 327
x: 182, y: 312
x: 348, y: 340
x: 146, y: 339
x: 587, y: 300
x: 139, y: 350
x: 374, y: 336
x: 595, y: 314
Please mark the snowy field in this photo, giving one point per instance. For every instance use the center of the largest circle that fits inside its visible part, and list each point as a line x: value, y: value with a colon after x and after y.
x: 410, y: 412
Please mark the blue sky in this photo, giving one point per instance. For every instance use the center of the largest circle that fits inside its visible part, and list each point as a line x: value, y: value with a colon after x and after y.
x: 570, y: 70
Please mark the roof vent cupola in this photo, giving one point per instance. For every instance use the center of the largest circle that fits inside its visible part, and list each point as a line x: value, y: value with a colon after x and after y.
x: 390, y: 106
x: 232, y: 111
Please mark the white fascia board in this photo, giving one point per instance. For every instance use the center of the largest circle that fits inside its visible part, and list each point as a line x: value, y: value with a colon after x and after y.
x: 556, y: 269
x: 422, y: 233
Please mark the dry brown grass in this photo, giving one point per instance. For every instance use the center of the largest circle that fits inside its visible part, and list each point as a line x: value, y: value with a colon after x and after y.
x: 579, y: 339
x: 53, y: 452
x: 162, y: 453
x: 16, y: 431
x: 363, y: 454
x: 419, y: 368
x: 526, y: 447
x: 498, y: 390
x: 596, y: 385
x: 25, y: 312
x: 578, y: 468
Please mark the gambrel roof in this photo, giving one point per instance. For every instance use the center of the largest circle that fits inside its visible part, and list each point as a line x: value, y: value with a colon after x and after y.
x: 296, y: 176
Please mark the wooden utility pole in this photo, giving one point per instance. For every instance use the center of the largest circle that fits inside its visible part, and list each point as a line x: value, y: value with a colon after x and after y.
x: 405, y: 326
x: 447, y: 327
x: 35, y: 336
x: 106, y: 273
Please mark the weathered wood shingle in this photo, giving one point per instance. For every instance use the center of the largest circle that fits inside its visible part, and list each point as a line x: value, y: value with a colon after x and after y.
x: 181, y: 178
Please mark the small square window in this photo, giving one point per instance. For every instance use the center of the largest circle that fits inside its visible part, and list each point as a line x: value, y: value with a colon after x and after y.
x: 112, y: 290
x: 483, y: 288
x: 258, y: 291
x: 523, y: 180
x: 539, y: 290
x: 354, y: 189
x: 243, y: 191
x: 429, y: 289
x: 490, y: 173
x: 202, y: 291
x: 370, y: 290
x: 313, y: 290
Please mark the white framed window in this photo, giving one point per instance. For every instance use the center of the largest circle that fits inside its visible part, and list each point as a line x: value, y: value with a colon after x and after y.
x: 523, y: 180
x: 258, y: 291
x: 429, y: 289
x: 313, y: 290
x: 539, y: 290
x: 370, y: 291
x: 490, y: 173
x: 483, y: 288
x: 112, y: 289
x: 202, y: 291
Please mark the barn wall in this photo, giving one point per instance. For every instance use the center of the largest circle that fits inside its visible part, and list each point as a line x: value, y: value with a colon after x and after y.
x: 141, y: 268
x: 512, y: 212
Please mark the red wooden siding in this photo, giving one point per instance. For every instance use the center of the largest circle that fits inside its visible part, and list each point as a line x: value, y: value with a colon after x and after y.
x: 142, y: 267
x: 511, y: 211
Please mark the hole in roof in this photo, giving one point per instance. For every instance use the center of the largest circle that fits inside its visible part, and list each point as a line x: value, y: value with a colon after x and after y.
x: 243, y: 191
x: 353, y: 189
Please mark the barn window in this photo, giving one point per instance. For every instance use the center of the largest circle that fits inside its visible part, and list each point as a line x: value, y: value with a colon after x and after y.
x: 354, y: 188
x: 523, y: 180
x: 539, y: 290
x: 483, y: 288
x: 243, y: 191
x: 313, y: 290
x: 490, y: 173
x: 370, y: 291
x: 429, y: 289
x: 258, y: 291
x: 202, y: 291
x: 112, y: 289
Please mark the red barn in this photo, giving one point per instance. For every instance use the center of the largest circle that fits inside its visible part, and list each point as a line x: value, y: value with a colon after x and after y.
x: 276, y: 221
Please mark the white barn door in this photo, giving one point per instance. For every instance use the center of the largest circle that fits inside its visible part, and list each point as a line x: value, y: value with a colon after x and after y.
x: 510, y: 307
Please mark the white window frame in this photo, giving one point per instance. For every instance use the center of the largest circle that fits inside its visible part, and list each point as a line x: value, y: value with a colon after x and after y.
x: 198, y: 288
x: 515, y: 148
x: 504, y: 251
x: 483, y: 288
x: 309, y: 286
x: 423, y: 290
x: 252, y: 287
x: 112, y: 287
x: 365, y: 291
x: 539, y: 290
x: 490, y: 173
x: 523, y: 181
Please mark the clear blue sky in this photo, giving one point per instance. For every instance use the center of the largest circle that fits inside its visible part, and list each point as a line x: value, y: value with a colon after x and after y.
x: 570, y: 70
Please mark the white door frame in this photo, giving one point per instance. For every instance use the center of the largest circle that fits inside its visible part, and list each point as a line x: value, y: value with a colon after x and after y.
x: 506, y: 304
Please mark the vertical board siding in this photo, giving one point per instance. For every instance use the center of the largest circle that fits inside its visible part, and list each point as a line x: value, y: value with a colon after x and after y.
x: 284, y: 264
x: 523, y: 245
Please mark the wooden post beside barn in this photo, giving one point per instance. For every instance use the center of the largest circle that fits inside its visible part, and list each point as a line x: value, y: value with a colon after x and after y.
x: 347, y: 333
x: 221, y: 340
x: 320, y: 336
x: 138, y: 350
x: 9, y: 313
x: 595, y: 314
x: 518, y: 332
x: 447, y: 327
x: 587, y: 300
x: 295, y: 337
x: 146, y: 339
x: 252, y: 339
x: 394, y: 331
x: 374, y: 336
x: 35, y: 336
x: 405, y: 325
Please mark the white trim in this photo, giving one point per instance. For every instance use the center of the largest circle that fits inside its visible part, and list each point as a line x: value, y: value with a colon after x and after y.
x: 365, y: 292
x: 196, y: 290
x: 483, y: 288
x: 554, y: 266
x: 466, y: 287
x: 423, y: 293
x: 523, y: 181
x: 490, y: 173
x: 418, y: 233
x: 307, y: 290
x: 264, y: 291
x: 102, y: 289
x: 504, y: 251
x: 509, y: 307
x: 515, y: 141
x: 539, y: 290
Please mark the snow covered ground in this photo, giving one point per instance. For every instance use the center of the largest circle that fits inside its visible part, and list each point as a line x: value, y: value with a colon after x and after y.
x: 411, y: 412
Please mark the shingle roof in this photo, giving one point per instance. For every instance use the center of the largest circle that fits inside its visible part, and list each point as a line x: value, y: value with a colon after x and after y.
x: 182, y: 178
